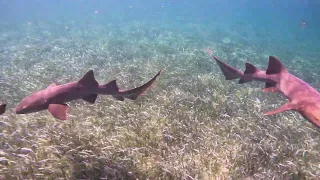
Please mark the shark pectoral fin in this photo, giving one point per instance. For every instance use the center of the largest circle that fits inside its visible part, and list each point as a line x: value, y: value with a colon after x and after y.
x: 90, y: 98
x: 285, y: 107
x: 59, y: 111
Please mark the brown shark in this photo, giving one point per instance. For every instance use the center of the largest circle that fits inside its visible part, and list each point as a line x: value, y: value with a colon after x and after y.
x: 302, y: 97
x: 55, y: 97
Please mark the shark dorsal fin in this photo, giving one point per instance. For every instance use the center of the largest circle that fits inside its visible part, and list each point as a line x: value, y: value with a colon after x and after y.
x: 275, y: 66
x: 250, y: 69
x: 88, y: 79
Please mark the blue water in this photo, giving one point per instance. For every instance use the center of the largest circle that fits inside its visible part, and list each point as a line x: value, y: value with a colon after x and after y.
x: 272, y: 25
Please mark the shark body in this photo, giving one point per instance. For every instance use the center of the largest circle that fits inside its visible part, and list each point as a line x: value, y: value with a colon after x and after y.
x: 302, y: 97
x: 55, y: 97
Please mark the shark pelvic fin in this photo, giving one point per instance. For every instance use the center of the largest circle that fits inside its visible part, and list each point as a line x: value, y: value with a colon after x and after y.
x: 285, y: 107
x: 275, y: 66
x: 88, y: 79
x: 90, y: 98
x: 250, y: 69
x: 59, y: 111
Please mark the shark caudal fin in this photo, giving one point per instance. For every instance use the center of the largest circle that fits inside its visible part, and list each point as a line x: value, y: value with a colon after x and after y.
x: 133, y: 94
x: 228, y: 71
x: 250, y: 70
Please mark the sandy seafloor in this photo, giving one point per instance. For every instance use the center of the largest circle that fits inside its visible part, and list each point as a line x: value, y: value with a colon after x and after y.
x: 192, y: 124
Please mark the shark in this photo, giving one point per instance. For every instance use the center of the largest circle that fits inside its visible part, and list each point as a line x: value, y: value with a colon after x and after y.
x: 54, y: 98
x: 301, y: 96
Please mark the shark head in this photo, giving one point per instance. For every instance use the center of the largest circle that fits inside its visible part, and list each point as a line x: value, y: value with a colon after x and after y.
x: 32, y: 103
x: 312, y: 113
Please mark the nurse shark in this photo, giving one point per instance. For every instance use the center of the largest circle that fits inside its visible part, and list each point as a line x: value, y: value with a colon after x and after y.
x: 55, y: 97
x: 302, y: 97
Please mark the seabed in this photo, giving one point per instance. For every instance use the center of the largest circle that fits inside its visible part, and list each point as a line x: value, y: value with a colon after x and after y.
x: 192, y: 124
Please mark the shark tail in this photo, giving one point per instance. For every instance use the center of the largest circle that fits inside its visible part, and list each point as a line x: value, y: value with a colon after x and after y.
x: 229, y: 72
x: 133, y: 94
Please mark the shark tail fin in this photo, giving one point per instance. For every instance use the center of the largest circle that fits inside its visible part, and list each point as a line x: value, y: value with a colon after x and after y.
x: 133, y: 94
x: 247, y: 77
x: 275, y: 66
x: 228, y: 71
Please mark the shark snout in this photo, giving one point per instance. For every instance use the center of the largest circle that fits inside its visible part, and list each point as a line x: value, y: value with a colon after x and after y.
x: 19, y: 109
x: 312, y: 114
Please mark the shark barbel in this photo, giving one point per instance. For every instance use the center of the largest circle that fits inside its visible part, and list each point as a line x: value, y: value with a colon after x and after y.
x: 302, y: 97
x: 55, y: 97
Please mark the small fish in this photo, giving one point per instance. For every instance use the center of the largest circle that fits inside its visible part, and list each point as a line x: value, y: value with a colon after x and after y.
x: 302, y: 97
x: 55, y: 97
x: 303, y: 23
